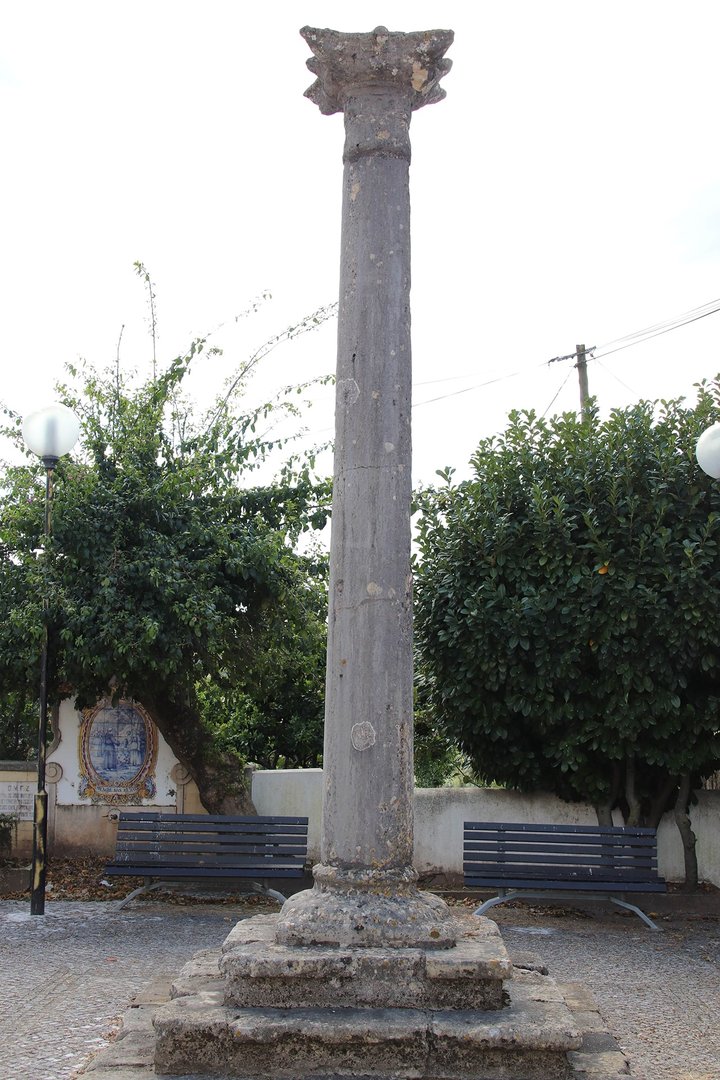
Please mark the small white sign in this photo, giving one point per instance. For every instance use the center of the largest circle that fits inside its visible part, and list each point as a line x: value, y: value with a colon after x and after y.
x: 17, y: 797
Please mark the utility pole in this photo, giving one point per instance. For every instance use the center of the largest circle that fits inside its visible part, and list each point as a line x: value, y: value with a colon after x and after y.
x: 581, y: 366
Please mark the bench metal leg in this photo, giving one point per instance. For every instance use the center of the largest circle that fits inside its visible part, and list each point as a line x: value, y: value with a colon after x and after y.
x: 633, y: 907
x: 147, y: 887
x: 487, y: 904
x: 523, y: 894
x: 264, y: 890
x: 250, y: 887
x: 275, y: 895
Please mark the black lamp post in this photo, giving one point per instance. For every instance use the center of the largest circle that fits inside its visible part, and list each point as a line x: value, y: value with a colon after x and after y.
x: 50, y: 433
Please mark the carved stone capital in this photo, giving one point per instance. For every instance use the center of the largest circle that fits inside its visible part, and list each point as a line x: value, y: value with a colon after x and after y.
x: 349, y: 65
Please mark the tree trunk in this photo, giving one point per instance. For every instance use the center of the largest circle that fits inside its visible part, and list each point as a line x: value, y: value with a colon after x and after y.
x: 682, y: 820
x: 634, y: 806
x: 604, y: 810
x: 219, y: 776
x: 662, y: 801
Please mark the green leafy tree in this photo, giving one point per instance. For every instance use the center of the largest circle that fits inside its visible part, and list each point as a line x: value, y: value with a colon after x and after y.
x: 567, y: 600
x: 437, y: 759
x: 18, y: 727
x: 167, y: 572
x: 275, y: 720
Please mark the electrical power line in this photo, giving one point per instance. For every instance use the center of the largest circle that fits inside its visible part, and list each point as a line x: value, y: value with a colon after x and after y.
x: 618, y: 379
x: 668, y: 324
x: 467, y: 389
x: 557, y: 393
x: 648, y: 332
x: 625, y: 342
x: 653, y: 332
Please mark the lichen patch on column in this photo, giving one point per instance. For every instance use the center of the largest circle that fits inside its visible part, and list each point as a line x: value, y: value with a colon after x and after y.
x: 363, y: 735
x: 419, y: 76
x: 348, y: 392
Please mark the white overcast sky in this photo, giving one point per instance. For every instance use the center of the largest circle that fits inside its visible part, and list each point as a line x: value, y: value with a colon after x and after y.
x: 567, y: 190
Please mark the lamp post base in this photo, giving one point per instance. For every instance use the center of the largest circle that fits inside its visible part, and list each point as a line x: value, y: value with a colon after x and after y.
x: 37, y: 896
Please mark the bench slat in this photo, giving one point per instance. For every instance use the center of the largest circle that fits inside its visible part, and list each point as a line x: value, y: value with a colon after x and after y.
x: 553, y: 870
x: 185, y: 835
x: 560, y: 873
x: 551, y: 858
x: 157, y: 858
x: 215, y: 820
x: 208, y: 840
x: 523, y: 827
x: 199, y: 873
x: 228, y: 852
x: 592, y: 842
x: 143, y: 828
x: 569, y: 854
x: 570, y: 886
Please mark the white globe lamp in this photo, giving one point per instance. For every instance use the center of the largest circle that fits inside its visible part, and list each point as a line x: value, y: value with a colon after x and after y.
x: 51, y: 432
x: 707, y: 451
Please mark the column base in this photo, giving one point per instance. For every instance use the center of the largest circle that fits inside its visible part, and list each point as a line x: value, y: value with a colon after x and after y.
x: 366, y: 909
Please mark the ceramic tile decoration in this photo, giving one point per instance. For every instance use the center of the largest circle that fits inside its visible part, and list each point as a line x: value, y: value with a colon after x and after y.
x: 117, y: 754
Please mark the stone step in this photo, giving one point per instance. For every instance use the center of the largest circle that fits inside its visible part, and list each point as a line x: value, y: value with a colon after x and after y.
x: 258, y: 972
x: 527, y: 1040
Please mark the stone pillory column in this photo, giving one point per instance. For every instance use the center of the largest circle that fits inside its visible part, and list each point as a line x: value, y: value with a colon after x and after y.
x: 364, y: 975
x: 365, y: 891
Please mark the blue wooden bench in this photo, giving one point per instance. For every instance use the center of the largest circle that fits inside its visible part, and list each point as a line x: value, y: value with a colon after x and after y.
x: 169, y: 850
x: 527, y: 861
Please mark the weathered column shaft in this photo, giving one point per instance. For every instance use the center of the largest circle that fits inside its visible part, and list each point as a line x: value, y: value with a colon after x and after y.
x: 365, y: 890
x: 367, y: 819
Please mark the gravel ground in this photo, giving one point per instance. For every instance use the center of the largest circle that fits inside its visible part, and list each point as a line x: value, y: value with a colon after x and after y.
x: 69, y: 976
x: 659, y: 993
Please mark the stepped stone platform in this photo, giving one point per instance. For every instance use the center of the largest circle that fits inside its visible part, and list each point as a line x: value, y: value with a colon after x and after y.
x: 259, y: 1008
x: 522, y: 1040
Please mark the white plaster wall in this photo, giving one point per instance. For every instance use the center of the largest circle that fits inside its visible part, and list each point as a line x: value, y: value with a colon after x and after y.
x: 706, y: 819
x: 292, y: 792
x: 441, y: 812
x: 65, y: 754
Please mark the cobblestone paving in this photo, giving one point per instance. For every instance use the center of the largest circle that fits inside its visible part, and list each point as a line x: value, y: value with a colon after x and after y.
x: 70, y: 974
x: 68, y: 977
x: 659, y: 993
